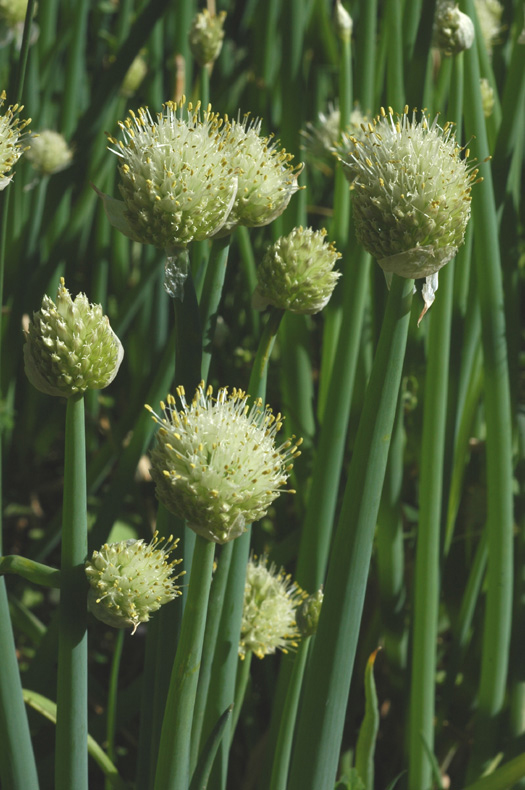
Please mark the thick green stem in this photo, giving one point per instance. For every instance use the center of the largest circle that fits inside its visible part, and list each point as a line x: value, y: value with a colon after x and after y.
x: 71, y: 768
x: 426, y: 590
x: 283, y: 751
x: 330, y: 668
x: 112, y: 701
x: 496, y: 640
x: 211, y: 297
x: 173, y: 766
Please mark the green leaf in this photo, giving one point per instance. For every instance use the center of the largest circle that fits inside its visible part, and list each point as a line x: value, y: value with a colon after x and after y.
x: 350, y: 781
x: 48, y: 709
x: 364, y: 756
x: 32, y: 571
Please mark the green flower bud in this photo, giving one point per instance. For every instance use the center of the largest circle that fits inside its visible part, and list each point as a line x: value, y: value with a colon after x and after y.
x: 308, y: 614
x: 487, y: 96
x: 266, y: 179
x: 453, y: 30
x: 206, y: 36
x: 49, y: 152
x: 11, y: 134
x: 134, y: 76
x: 215, y: 462
x: 411, y: 195
x: 269, y: 609
x: 178, y: 186
x: 130, y: 580
x: 70, y: 346
x: 296, y: 273
x: 13, y: 12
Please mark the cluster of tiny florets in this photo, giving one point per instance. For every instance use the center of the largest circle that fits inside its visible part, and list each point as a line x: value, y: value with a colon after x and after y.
x: 324, y: 139
x: 266, y: 179
x: 190, y: 175
x: 11, y: 135
x: 176, y: 182
x: 70, y: 346
x: 216, y: 463
x: 130, y: 580
x: 49, y: 152
x: 269, y: 608
x: 411, y: 193
x: 297, y: 272
x: 453, y: 30
x: 206, y: 36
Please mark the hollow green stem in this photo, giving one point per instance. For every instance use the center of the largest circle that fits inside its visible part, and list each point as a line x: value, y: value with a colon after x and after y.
x: 498, y: 612
x: 173, y: 766
x: 71, y: 740
x: 211, y: 297
x: 329, y: 673
x: 426, y: 590
x: 111, y: 723
x: 241, y: 684
x: 283, y: 751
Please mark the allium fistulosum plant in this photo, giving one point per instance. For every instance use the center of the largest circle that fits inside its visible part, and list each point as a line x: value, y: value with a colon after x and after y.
x: 146, y: 555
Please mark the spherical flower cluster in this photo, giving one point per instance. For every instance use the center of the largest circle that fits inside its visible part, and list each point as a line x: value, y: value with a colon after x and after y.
x: 308, y: 614
x: 49, y: 152
x: 176, y: 182
x: 206, y: 36
x: 130, y: 580
x: 70, y: 346
x: 191, y: 175
x: 13, y: 12
x: 266, y: 179
x: 269, y: 608
x: 297, y: 272
x: 216, y: 463
x: 453, y: 30
x: 324, y: 139
x: 134, y: 76
x: 11, y: 134
x: 411, y: 195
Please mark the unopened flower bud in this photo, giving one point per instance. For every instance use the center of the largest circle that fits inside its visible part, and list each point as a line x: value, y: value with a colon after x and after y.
x: 216, y: 463
x: 411, y: 195
x: 11, y: 134
x: 453, y: 30
x: 70, y: 346
x: 130, y: 580
x: 487, y: 97
x: 308, y: 614
x: 343, y: 22
x: 297, y: 272
x: 49, y: 152
x: 206, y: 36
x: 134, y: 76
x: 13, y: 12
x: 269, y: 609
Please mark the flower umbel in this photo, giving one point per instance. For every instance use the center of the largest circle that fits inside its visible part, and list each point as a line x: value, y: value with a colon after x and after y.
x: 411, y: 195
x: 178, y: 186
x: 206, y: 36
x: 297, y: 272
x: 268, y: 616
x: 130, y: 580
x: 215, y: 462
x: 70, y: 346
x: 11, y: 134
x: 453, y: 30
x: 49, y: 152
x: 266, y: 179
